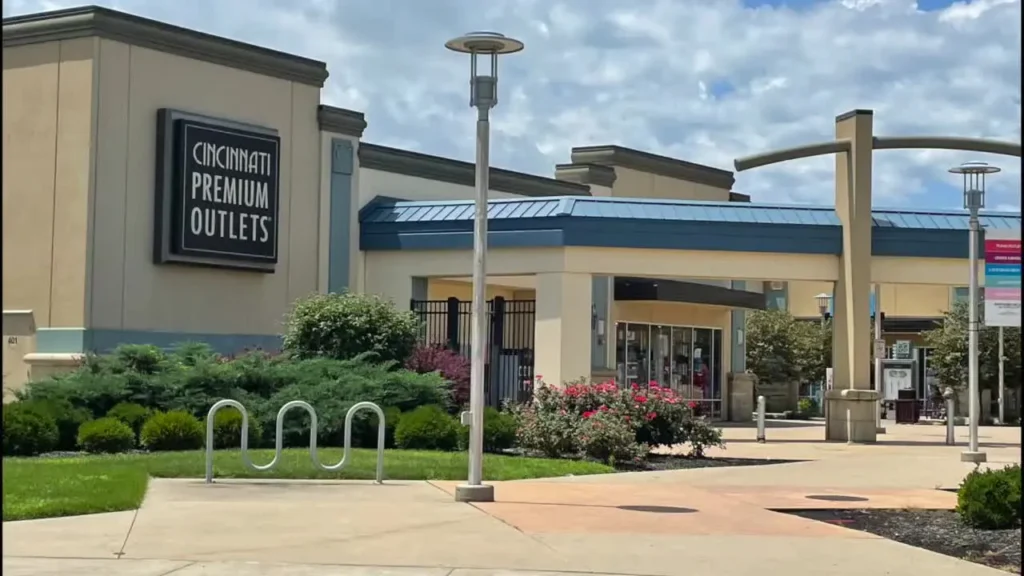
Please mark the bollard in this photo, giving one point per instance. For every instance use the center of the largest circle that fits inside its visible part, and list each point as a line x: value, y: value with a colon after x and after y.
x: 760, y: 419
x: 950, y: 417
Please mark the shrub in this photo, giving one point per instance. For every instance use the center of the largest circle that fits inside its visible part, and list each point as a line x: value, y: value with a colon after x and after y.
x: 346, y: 325
x: 452, y: 366
x: 427, y: 428
x: 106, y: 435
x: 990, y: 499
x: 499, y: 431
x: 134, y: 415
x: 67, y: 417
x: 364, y: 428
x: 610, y: 438
x: 806, y: 406
x: 227, y: 429
x: 26, y: 431
x: 552, y: 433
x: 175, y: 430
x: 700, y: 435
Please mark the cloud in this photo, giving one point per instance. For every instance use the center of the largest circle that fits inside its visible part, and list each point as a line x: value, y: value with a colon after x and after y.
x: 698, y: 80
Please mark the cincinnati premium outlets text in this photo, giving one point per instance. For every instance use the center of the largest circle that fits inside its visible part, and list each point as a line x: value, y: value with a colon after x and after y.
x: 245, y: 186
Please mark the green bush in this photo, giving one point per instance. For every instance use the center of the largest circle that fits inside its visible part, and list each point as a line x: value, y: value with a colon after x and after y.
x: 175, y: 430
x: 346, y: 325
x: 364, y: 427
x: 227, y: 430
x: 499, y: 431
x: 427, y: 428
x: 67, y: 417
x: 990, y: 499
x: 27, y: 431
x: 609, y: 438
x: 134, y: 415
x: 106, y: 435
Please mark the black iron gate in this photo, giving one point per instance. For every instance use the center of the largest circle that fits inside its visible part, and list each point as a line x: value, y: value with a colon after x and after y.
x: 509, y: 368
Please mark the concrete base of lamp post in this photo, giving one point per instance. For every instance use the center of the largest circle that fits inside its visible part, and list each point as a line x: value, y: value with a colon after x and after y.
x: 973, y: 457
x: 474, y: 493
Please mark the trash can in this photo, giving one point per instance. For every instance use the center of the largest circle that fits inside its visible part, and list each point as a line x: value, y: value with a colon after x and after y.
x: 907, y: 411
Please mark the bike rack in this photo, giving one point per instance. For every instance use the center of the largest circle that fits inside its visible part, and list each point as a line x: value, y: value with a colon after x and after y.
x: 279, y: 441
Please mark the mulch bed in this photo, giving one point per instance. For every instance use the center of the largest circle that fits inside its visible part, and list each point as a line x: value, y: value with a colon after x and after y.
x: 667, y: 462
x: 935, y: 530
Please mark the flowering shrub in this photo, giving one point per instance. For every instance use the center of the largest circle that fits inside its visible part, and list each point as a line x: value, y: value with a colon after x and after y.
x: 606, y: 422
x: 605, y: 436
x: 453, y: 367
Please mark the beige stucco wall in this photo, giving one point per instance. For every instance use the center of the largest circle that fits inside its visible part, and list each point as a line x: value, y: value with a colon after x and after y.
x: 636, y: 184
x: 128, y: 290
x: 47, y: 120
x: 898, y: 300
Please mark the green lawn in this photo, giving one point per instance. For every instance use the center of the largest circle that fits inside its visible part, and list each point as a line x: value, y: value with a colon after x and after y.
x: 43, y: 488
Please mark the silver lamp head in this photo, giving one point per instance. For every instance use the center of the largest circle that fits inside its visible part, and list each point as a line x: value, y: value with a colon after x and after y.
x: 974, y: 182
x: 483, y: 88
x: 823, y: 301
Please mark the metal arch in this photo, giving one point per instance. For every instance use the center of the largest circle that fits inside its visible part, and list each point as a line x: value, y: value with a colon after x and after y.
x: 787, y: 154
x: 279, y: 440
x: 879, y: 143
x: 947, y: 143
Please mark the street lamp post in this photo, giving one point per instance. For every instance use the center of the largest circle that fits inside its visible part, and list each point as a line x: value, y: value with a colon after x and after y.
x: 824, y: 301
x: 483, y: 95
x: 974, y: 200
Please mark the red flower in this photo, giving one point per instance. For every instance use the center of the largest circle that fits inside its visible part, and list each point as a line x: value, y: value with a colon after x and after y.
x: 652, y: 415
x: 635, y: 386
x: 640, y: 399
x: 588, y: 414
x: 692, y: 405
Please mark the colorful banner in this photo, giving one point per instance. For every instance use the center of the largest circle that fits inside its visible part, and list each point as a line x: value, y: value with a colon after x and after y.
x: 1002, y: 277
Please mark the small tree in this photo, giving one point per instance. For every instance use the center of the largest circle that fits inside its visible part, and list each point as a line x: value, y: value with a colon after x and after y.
x: 346, y: 325
x: 813, y: 342
x: 772, y: 346
x: 949, y: 358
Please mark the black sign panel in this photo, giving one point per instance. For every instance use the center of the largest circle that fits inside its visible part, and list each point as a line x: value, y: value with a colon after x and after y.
x: 218, y: 192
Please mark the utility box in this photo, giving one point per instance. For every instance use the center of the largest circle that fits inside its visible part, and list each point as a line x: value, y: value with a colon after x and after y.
x: 899, y: 386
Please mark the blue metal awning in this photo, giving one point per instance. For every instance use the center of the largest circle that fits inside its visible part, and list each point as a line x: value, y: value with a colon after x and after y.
x: 386, y: 224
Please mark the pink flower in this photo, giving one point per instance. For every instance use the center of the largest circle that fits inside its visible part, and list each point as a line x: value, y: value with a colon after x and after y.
x: 652, y: 415
x: 590, y: 413
x: 640, y: 399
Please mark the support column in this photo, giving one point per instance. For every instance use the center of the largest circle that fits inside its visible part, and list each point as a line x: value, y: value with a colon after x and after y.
x: 852, y: 401
x: 562, y: 340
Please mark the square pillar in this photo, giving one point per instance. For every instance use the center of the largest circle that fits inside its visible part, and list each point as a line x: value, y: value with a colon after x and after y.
x: 562, y: 340
x: 851, y: 402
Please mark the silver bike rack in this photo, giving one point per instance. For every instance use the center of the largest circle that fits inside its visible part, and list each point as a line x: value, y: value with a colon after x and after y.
x: 279, y: 441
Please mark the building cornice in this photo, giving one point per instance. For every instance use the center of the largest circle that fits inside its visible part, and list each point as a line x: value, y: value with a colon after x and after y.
x: 341, y: 121
x: 595, y: 174
x: 397, y: 161
x: 653, y: 164
x: 93, y: 21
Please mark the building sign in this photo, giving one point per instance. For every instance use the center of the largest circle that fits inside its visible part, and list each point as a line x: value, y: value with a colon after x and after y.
x: 901, y: 350
x: 218, y: 192
x: 1002, y: 277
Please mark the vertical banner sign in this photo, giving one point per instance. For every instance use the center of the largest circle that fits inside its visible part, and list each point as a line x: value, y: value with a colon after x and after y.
x: 217, y: 192
x: 1002, y: 277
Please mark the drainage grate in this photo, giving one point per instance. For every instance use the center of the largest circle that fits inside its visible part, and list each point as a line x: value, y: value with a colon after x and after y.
x: 836, y: 498
x: 658, y: 509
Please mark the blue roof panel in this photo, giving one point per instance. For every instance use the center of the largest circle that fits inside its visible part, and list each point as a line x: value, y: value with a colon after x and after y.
x: 671, y: 210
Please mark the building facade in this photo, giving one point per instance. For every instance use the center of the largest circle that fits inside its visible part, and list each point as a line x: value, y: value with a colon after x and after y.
x: 153, y: 198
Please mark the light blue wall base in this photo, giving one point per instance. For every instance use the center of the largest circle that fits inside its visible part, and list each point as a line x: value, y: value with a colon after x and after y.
x: 80, y: 340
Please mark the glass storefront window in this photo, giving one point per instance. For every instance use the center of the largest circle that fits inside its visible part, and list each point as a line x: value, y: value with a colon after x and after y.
x: 687, y: 359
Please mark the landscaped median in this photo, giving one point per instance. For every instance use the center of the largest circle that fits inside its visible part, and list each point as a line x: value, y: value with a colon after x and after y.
x: 49, y: 487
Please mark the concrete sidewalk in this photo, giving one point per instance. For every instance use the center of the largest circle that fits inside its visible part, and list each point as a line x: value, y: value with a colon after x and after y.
x: 704, y: 522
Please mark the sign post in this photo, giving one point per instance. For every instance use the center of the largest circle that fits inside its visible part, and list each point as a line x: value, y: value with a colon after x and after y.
x: 1002, y: 291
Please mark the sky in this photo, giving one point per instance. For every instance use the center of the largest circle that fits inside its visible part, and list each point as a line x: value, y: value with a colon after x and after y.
x: 700, y: 80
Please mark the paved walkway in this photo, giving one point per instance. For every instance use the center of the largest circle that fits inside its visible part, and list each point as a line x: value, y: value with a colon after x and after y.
x: 695, y: 522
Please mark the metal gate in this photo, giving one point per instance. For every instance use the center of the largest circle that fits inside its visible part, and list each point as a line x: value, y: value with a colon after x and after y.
x: 510, y: 343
